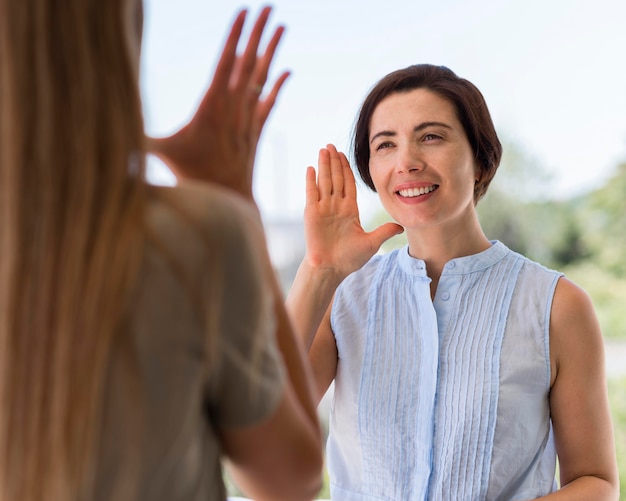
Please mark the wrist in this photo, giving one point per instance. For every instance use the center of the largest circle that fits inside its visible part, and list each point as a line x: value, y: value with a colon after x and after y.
x: 320, y: 276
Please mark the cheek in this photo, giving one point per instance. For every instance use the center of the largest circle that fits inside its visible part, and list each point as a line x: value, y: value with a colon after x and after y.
x: 377, y: 174
x: 375, y: 180
x: 380, y: 186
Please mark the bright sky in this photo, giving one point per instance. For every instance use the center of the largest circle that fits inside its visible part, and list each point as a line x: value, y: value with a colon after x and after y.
x: 553, y: 73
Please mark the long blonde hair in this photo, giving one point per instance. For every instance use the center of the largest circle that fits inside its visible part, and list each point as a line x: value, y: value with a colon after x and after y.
x: 72, y: 194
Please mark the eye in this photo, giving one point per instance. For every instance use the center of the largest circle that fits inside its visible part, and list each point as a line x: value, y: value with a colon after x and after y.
x: 431, y: 137
x: 384, y: 145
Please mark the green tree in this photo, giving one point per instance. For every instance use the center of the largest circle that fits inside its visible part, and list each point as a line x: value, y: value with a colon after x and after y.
x: 603, y: 215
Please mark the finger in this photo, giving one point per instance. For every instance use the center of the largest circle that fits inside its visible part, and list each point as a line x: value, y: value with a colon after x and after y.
x: 324, y: 180
x: 336, y: 170
x: 312, y: 193
x: 265, y: 106
x: 349, y: 183
x: 247, y: 62
x: 383, y: 233
x: 227, y: 60
x: 264, y: 62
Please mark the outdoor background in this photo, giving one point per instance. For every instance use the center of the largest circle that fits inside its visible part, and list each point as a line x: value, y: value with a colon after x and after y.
x: 553, y: 74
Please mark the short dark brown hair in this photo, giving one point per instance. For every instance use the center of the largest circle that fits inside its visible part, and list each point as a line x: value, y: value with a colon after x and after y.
x: 470, y: 106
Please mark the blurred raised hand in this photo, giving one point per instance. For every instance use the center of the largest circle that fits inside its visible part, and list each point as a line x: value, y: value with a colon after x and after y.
x: 219, y: 143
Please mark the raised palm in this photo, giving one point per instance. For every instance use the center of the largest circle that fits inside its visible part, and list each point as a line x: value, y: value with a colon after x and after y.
x: 334, y: 236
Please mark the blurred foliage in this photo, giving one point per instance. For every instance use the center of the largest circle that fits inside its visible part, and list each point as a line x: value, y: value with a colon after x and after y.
x: 603, y: 214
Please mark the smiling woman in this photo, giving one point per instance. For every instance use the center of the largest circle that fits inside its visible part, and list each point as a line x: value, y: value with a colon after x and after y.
x: 461, y: 369
x: 412, y: 132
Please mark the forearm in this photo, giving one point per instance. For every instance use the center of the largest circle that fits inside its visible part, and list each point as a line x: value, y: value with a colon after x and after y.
x: 293, y: 352
x: 308, y: 299
x: 587, y: 488
x: 296, y: 361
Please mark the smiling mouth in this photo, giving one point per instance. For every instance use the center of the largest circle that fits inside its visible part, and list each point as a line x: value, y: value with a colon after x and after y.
x: 416, y: 192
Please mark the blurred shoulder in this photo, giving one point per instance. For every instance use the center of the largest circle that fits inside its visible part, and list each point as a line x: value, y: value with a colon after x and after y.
x: 205, y: 202
x: 204, y: 208
x: 187, y: 220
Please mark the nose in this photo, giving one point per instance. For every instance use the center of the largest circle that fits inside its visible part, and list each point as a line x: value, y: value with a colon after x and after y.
x: 410, y: 159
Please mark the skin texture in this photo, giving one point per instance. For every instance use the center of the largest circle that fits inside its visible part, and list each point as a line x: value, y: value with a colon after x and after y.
x: 281, y: 458
x: 417, y: 142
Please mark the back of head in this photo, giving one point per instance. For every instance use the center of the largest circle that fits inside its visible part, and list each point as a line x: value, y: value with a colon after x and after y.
x: 71, y: 198
x: 468, y: 102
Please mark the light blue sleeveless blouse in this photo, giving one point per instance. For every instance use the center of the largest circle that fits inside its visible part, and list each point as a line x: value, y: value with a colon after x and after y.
x: 443, y: 399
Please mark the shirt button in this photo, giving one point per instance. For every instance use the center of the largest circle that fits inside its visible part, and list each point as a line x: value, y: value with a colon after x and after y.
x: 445, y: 296
x: 451, y: 265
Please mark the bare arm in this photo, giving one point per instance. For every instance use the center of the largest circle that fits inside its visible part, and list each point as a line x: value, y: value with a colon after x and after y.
x: 281, y: 458
x: 578, y: 400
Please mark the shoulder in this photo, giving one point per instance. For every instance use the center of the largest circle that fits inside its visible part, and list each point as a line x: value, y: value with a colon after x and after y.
x: 205, y: 204
x: 575, y: 334
x: 193, y: 216
x: 571, y: 305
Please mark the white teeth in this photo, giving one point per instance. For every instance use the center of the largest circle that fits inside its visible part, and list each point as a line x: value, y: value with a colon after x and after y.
x: 415, y: 192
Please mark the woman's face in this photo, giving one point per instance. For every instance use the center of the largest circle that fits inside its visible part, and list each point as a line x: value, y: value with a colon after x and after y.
x: 421, y: 162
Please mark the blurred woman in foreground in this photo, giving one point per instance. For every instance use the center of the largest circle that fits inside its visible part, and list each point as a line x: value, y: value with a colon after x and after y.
x: 142, y: 332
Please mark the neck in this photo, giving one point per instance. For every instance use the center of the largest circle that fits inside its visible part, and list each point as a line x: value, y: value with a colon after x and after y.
x: 439, y: 244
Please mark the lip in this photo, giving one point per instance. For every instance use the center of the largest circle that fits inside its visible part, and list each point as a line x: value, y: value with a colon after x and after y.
x: 415, y: 185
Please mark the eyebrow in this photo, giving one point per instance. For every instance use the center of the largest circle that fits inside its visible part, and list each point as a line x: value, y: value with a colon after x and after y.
x: 417, y: 128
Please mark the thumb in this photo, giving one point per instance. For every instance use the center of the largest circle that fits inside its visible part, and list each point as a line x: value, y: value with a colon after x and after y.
x: 384, y: 232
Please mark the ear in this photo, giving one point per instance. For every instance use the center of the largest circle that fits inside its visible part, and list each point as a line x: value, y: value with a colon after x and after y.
x: 478, y: 173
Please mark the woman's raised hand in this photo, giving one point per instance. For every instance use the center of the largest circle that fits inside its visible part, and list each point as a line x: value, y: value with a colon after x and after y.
x: 219, y: 143
x: 335, y: 239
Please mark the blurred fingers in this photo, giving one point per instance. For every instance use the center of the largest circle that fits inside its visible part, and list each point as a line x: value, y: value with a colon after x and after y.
x: 228, y: 58
x: 265, y: 106
x: 248, y: 61
x: 265, y: 61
